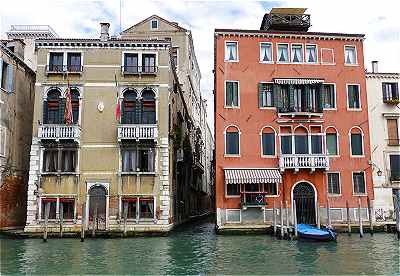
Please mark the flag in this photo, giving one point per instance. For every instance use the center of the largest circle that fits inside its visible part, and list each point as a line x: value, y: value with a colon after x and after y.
x: 118, y: 106
x: 68, y: 117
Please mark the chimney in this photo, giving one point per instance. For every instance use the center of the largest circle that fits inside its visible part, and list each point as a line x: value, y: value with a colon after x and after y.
x: 104, y: 31
x: 374, y: 66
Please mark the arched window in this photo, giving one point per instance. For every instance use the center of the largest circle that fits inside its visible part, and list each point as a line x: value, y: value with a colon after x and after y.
x: 301, y: 140
x: 129, y: 108
x: 232, y: 141
x: 75, y: 105
x: 356, y: 136
x: 148, y: 107
x: 268, y: 141
x: 53, y: 108
x: 332, y: 142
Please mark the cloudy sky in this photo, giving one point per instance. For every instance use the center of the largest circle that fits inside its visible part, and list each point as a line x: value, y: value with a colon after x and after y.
x: 80, y: 18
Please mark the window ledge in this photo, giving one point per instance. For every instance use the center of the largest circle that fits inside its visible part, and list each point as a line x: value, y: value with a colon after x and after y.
x: 232, y: 196
x: 354, y: 109
x: 268, y: 108
x: 231, y: 107
x: 225, y: 60
x: 330, y: 109
x: 360, y: 194
x: 232, y: 155
x: 266, y: 62
x: 334, y: 195
x: 357, y: 156
x: 137, y: 173
x: 269, y: 156
x: 351, y: 64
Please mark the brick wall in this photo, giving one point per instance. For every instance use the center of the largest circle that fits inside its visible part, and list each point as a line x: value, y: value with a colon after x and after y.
x: 12, y: 203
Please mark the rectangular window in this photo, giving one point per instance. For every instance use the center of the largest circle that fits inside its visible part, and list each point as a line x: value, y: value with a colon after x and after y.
x: 271, y: 188
x: 131, y: 63
x: 350, y: 55
x: 297, y: 53
x: 356, y: 144
x: 231, y: 51
x: 139, y: 159
x: 390, y: 92
x: 231, y: 93
x: 329, y: 97
x: 232, y: 143
x: 353, y: 96
x: 394, y: 167
x: 331, y: 144
x: 148, y: 63
x: 316, y: 144
x: 359, y: 183
x: 283, y: 53
x: 393, y: 132
x: 301, y: 144
x: 52, y: 207
x: 146, y: 208
x: 268, y: 143
x: 50, y: 160
x: 311, y: 54
x: 232, y: 189
x: 333, y: 183
x: 266, y: 52
x: 4, y: 71
x: 56, y: 62
x: 154, y: 24
x: 67, y: 208
x: 68, y: 160
x: 175, y: 56
x: 265, y: 95
x: 74, y: 62
x: 286, y: 144
x: 131, y: 205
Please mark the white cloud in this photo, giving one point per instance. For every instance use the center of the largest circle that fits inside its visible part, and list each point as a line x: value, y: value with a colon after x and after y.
x: 79, y: 18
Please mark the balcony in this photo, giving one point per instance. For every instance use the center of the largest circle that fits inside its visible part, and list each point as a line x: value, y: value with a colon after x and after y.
x: 139, y: 70
x: 300, y: 111
x: 137, y: 132
x: 59, y: 132
x: 306, y: 161
x: 391, y: 100
x: 59, y: 69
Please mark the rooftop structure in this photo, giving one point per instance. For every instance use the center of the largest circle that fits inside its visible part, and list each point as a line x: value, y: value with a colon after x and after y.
x: 286, y: 19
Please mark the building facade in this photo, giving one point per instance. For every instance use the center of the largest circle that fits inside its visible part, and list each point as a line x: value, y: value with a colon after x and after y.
x: 17, y: 84
x: 291, y: 123
x: 384, y: 114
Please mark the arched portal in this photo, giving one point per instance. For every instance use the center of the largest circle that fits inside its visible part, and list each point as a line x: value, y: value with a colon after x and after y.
x: 305, y: 197
x: 97, y: 207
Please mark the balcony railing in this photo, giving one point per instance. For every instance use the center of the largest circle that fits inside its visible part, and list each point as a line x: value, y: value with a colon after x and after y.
x: 55, y: 69
x: 137, y: 132
x: 300, y: 110
x: 391, y: 99
x: 306, y: 161
x: 137, y: 70
x: 58, y: 132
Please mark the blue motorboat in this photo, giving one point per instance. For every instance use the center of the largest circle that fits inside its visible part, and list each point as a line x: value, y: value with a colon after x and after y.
x: 309, y: 232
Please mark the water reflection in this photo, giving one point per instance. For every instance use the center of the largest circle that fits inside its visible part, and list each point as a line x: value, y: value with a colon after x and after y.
x: 196, y: 249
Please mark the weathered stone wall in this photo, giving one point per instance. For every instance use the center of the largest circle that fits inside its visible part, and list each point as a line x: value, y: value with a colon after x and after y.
x: 12, y: 202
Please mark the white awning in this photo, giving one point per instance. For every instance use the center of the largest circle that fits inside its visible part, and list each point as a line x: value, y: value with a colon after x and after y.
x: 243, y: 176
x: 298, y: 81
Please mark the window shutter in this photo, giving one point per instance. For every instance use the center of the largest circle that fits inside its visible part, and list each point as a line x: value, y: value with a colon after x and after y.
x: 61, y: 111
x: 320, y: 98
x: 45, y: 112
x: 291, y: 97
x: 260, y: 96
x: 228, y: 95
x: 10, y: 78
x: 1, y: 70
x: 277, y: 96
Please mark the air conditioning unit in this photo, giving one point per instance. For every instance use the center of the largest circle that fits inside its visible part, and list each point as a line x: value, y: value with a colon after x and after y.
x: 179, y: 155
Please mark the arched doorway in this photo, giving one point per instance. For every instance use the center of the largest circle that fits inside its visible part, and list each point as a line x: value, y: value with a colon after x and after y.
x: 97, y: 207
x: 304, y: 195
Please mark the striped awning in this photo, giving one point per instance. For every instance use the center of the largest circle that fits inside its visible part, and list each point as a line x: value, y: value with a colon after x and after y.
x: 298, y: 81
x: 243, y: 176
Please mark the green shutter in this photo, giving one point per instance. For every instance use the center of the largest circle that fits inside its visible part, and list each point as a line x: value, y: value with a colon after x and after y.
x: 61, y: 111
x: 307, y: 95
x: 235, y: 94
x: 260, y: 96
x: 277, y: 96
x: 228, y: 94
x: 291, y: 97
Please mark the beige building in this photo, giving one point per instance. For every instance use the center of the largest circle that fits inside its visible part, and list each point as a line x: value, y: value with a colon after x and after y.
x: 17, y: 82
x: 384, y: 120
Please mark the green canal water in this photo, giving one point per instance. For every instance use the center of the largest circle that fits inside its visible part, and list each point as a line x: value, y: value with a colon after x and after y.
x: 196, y: 249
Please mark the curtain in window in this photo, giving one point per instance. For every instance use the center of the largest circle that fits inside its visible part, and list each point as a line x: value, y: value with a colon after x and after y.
x: 356, y: 144
x: 129, y: 161
x: 149, y: 62
x: 301, y: 144
x: 231, y: 51
x: 232, y: 143
x: 311, y: 53
x: 331, y: 143
x: 353, y: 95
x: 283, y: 53
x: 350, y: 55
x: 56, y: 61
x: 50, y: 160
x: 232, y: 93
x: 266, y: 52
x: 265, y: 95
x: 286, y: 144
x: 297, y: 54
x: 316, y: 144
x: 151, y: 160
x: 333, y: 183
x: 328, y: 96
x: 268, y: 142
x: 358, y: 181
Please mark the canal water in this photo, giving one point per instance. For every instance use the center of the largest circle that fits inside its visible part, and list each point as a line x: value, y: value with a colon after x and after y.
x: 196, y: 249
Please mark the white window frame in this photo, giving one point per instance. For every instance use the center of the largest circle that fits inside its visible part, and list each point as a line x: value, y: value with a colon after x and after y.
x: 240, y: 215
x: 240, y: 133
x: 352, y: 183
x: 362, y: 142
x: 335, y: 98
x: 359, y: 97
x: 261, y: 141
x: 337, y: 142
x: 316, y: 54
x: 333, y: 56
x: 277, y: 53
x: 267, y: 107
x: 226, y: 191
x: 151, y: 24
x: 291, y: 52
x: 355, y: 55
x: 177, y: 55
x: 3, y: 141
x: 226, y: 49
x: 340, y: 184
x: 238, y: 85
x: 272, y: 52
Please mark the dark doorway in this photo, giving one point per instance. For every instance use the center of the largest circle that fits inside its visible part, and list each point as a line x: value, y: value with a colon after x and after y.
x: 304, y: 195
x: 97, y: 201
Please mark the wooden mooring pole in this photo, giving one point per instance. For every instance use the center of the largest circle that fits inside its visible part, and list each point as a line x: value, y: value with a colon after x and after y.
x: 359, y: 218
x: 370, y: 214
x: 83, y: 221
x: 348, y: 218
x: 61, y: 215
x: 328, y: 212
x: 295, y: 218
x: 46, y: 220
x: 281, y: 217
x: 94, y: 222
x: 318, y: 216
x: 274, y: 216
x: 125, y: 216
x: 287, y: 220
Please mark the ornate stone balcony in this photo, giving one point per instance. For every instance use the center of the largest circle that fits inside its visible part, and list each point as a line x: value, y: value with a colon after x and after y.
x: 137, y: 132
x: 303, y: 161
x: 59, y: 132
